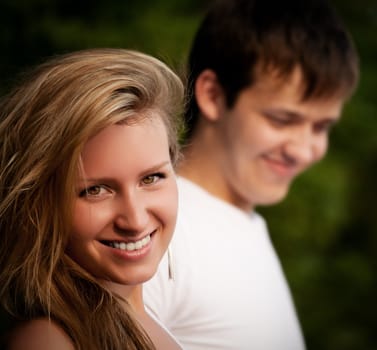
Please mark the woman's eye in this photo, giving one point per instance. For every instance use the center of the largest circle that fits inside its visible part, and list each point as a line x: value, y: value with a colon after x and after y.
x: 91, y: 191
x: 151, y: 179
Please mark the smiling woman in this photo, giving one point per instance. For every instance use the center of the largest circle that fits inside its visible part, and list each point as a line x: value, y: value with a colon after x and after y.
x: 88, y: 200
x: 126, y: 204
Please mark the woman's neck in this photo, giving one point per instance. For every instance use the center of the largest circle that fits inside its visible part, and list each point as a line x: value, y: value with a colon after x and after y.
x: 132, y: 294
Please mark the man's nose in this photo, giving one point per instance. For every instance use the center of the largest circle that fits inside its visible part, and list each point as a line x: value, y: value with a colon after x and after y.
x: 302, y: 146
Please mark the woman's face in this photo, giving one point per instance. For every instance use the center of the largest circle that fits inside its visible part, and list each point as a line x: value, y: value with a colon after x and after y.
x: 126, y: 204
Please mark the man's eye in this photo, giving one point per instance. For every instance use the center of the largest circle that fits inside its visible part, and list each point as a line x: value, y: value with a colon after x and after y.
x: 151, y: 179
x: 323, y: 127
x: 278, y: 120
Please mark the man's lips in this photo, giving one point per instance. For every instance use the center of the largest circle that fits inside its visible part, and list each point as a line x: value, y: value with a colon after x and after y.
x: 281, y: 167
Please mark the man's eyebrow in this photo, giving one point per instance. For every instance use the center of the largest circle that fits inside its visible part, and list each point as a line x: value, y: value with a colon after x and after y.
x: 297, y: 116
x: 284, y: 112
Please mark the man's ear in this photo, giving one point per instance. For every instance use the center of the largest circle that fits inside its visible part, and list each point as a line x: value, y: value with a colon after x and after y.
x: 209, y: 95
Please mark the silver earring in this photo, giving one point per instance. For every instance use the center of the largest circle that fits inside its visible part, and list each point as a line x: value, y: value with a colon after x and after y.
x: 170, y: 264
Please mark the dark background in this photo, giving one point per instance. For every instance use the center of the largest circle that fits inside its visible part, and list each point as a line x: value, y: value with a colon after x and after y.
x: 325, y: 232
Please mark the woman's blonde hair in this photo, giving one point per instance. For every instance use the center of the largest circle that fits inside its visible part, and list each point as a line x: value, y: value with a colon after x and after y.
x: 44, y: 124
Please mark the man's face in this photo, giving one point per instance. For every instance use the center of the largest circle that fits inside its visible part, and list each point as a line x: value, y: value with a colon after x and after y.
x: 269, y: 137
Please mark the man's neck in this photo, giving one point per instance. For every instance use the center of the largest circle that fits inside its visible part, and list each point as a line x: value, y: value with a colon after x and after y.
x: 201, y: 166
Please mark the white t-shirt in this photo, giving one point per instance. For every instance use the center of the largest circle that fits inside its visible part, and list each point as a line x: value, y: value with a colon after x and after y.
x: 151, y: 314
x: 228, y: 289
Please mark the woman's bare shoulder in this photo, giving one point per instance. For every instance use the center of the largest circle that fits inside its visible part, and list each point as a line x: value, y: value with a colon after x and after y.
x: 41, y: 334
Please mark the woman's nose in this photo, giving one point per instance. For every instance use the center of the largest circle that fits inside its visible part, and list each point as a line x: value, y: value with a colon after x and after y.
x: 132, y: 215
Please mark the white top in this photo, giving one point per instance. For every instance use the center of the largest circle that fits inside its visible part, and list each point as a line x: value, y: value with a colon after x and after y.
x: 151, y: 314
x: 228, y: 289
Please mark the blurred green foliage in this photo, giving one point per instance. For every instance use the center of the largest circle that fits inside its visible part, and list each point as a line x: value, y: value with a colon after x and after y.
x: 325, y: 232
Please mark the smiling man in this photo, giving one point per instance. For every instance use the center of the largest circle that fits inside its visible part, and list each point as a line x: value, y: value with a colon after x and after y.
x: 266, y: 82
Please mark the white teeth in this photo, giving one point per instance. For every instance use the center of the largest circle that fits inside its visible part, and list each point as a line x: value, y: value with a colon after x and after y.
x: 132, y: 245
x: 146, y: 239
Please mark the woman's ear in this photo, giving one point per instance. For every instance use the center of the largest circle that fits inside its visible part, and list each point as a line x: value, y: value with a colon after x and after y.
x: 209, y: 95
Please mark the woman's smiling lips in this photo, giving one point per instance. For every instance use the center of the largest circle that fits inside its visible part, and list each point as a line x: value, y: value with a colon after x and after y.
x: 130, y: 249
